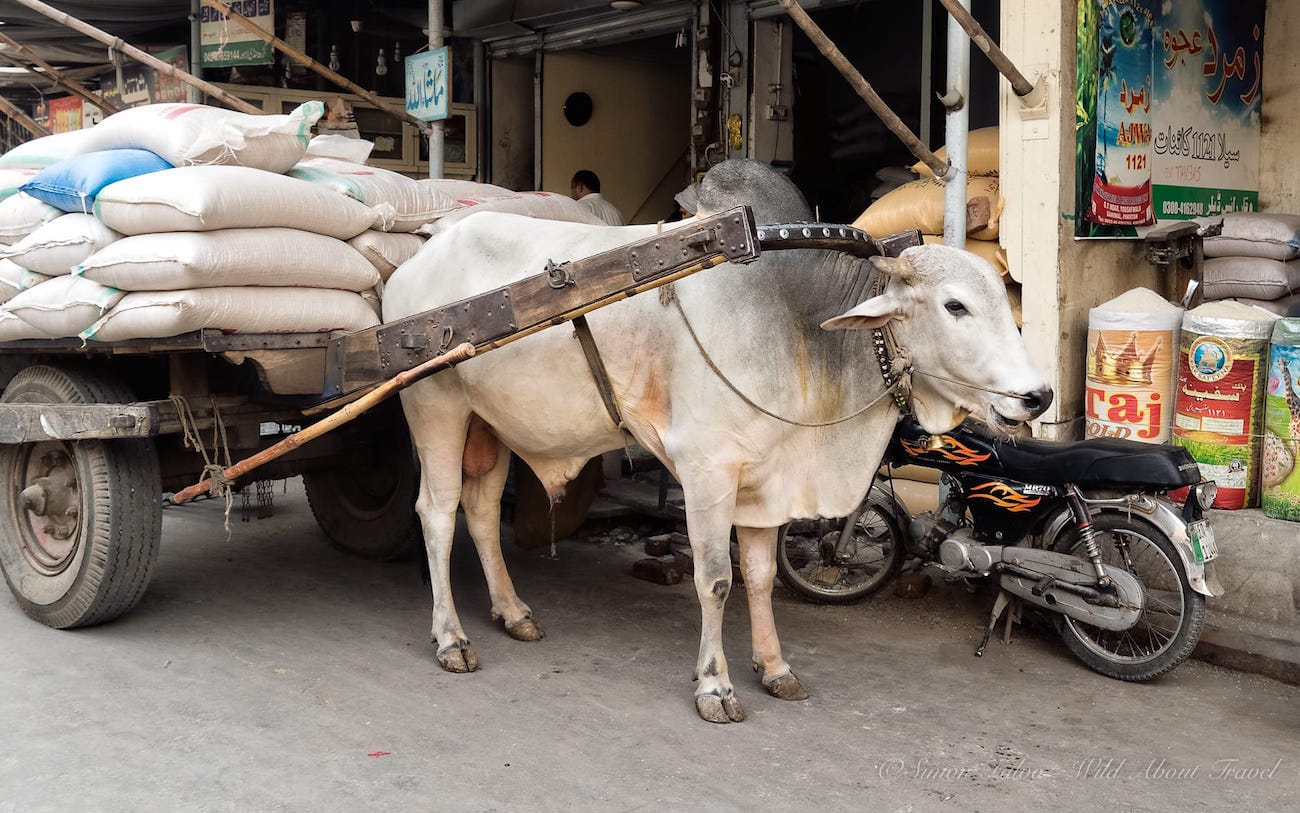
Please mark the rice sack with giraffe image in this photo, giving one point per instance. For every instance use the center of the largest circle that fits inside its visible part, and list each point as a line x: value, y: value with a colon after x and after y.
x: 1222, y: 361
x: 1132, y: 347
x: 1281, y: 477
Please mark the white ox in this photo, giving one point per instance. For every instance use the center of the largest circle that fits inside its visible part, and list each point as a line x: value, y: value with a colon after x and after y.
x: 762, y: 325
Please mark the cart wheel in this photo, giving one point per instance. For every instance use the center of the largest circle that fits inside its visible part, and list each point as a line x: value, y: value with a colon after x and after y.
x: 80, y: 521
x: 368, y: 510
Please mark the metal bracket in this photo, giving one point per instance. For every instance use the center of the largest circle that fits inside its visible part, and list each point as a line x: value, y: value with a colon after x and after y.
x: 408, y: 342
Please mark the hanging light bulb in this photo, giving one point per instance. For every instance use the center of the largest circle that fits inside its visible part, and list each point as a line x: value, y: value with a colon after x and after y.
x: 334, y: 58
x: 381, y: 67
x: 397, y: 53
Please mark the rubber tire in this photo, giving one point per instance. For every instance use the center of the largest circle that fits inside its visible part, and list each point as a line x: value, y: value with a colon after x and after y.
x: 121, y: 511
x: 791, y: 578
x: 381, y: 533
x: 1185, y: 639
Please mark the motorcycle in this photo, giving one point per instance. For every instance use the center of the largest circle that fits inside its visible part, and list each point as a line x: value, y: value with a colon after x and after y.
x: 1085, y: 532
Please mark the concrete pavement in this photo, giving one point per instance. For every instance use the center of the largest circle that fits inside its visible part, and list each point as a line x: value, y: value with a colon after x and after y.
x: 271, y: 672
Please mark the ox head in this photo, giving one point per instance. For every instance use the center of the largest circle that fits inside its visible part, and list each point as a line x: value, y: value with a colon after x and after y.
x: 949, y: 310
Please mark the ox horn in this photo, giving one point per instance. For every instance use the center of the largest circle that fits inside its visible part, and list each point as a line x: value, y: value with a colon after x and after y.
x: 893, y: 266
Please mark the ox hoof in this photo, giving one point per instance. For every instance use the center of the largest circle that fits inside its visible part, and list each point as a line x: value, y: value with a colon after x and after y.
x: 459, y: 657
x: 717, y: 709
x: 525, y: 629
x: 786, y: 687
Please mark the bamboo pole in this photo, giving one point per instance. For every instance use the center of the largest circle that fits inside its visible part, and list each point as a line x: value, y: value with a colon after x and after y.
x: 1019, y: 84
x: 12, y: 111
x: 288, y: 50
x: 893, y: 122
x: 349, y: 412
x: 116, y: 44
x: 75, y: 88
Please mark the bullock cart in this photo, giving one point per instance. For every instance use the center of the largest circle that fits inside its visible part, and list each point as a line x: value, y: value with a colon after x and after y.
x: 93, y: 436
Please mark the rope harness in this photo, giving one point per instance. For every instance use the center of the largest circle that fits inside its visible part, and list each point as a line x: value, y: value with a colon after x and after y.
x: 213, y: 469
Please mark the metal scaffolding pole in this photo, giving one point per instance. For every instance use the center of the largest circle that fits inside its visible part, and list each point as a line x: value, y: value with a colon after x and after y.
x: 437, y: 145
x: 956, y: 101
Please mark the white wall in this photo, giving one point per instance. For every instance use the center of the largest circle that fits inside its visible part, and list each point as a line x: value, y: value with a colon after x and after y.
x: 1279, y: 165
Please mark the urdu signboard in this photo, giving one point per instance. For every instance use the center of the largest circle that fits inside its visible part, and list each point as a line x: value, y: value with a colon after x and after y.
x: 428, y: 84
x: 225, y: 44
x: 1167, y: 116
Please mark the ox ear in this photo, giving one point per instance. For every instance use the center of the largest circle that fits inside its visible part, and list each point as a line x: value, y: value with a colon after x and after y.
x: 873, y: 313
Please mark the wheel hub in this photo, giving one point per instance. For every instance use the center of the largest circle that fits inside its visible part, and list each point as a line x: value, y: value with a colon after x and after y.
x: 51, y: 502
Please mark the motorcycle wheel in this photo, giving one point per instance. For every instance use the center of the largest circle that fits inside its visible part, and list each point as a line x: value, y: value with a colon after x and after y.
x: 1170, y: 625
x: 806, y: 560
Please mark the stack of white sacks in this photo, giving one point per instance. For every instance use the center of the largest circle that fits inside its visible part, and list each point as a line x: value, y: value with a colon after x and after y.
x: 1256, y: 260
x: 171, y: 218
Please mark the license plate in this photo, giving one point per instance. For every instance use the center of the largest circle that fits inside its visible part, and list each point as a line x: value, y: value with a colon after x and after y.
x: 1201, y: 534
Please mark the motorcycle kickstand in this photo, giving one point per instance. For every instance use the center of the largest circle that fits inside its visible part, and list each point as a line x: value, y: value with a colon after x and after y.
x: 1003, y: 600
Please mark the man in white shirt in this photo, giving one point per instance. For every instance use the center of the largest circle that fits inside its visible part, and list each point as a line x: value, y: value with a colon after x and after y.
x: 585, y: 188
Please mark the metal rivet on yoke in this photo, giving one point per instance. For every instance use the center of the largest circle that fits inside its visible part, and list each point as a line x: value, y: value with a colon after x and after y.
x: 842, y: 232
x: 785, y: 233
x: 762, y: 235
x: 826, y: 232
x: 807, y: 233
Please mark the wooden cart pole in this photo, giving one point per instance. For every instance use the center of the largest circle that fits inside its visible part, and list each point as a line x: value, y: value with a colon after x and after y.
x: 863, y: 87
x: 344, y: 415
x: 116, y: 44
x: 24, y: 55
x: 12, y: 111
x: 298, y: 56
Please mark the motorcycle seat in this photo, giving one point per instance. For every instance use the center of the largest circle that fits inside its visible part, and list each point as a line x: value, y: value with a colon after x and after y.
x: 1098, y: 462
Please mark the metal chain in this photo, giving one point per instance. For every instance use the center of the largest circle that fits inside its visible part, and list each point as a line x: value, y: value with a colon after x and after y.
x: 890, y: 390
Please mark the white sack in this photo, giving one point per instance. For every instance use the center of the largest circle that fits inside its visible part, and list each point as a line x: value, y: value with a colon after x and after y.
x: 475, y: 192
x: 39, y: 153
x: 187, y: 134
x: 400, y: 203
x: 356, y: 150
x: 542, y: 205
x: 63, y: 306
x: 233, y: 310
x: 210, y: 198
x: 15, y: 279
x: 1253, y: 234
x: 11, y: 179
x: 61, y: 243
x: 386, y: 251
x: 1251, y: 277
x: 176, y: 261
x: 13, y: 329
x: 22, y: 214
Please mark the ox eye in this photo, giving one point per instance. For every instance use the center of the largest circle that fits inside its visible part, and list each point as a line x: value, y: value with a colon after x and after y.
x: 955, y: 308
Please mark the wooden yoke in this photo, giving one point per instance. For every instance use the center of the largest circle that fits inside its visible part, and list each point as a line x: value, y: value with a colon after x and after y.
x: 418, y: 346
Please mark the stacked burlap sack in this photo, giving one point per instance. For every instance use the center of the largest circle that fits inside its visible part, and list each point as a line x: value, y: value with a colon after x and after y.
x: 920, y: 204
x: 1256, y: 260
x: 170, y: 218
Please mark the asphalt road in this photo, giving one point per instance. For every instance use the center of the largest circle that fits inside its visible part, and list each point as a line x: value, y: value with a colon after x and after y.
x: 270, y: 672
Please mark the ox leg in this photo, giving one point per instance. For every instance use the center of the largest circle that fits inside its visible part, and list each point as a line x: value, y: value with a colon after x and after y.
x: 440, y: 489
x: 710, y: 534
x: 758, y: 561
x: 481, y: 498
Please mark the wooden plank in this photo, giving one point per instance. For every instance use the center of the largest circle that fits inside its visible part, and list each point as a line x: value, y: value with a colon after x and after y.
x: 30, y: 423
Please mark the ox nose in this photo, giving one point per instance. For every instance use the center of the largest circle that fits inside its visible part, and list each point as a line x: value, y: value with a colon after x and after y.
x: 1037, y: 401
